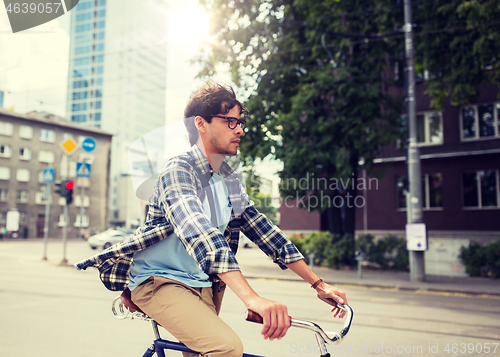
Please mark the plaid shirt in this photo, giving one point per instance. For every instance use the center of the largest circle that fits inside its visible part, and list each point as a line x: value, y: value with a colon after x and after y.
x: 175, y: 207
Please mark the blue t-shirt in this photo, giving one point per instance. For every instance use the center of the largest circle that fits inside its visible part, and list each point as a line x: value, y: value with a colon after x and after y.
x: 168, y: 258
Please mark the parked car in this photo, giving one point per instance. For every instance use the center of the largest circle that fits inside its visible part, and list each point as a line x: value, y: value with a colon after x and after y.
x: 107, y: 238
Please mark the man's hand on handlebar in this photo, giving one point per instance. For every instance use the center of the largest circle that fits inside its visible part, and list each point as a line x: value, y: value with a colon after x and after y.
x: 275, y: 315
x: 326, y: 291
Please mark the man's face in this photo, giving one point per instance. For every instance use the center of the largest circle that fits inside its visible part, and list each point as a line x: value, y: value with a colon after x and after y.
x: 221, y: 138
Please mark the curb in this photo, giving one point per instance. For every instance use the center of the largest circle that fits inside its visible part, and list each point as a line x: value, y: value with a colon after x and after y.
x: 416, y: 289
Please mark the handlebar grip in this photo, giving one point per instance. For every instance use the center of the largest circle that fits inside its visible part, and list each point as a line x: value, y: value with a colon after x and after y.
x: 252, y: 316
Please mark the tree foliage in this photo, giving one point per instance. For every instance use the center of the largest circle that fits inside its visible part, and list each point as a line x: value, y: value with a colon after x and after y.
x: 458, y: 42
x: 318, y: 110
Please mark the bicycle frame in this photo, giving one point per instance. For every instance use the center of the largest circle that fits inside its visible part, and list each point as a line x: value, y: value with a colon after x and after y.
x: 123, y: 307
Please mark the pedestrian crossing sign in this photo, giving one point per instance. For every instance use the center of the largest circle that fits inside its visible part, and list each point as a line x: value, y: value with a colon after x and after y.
x: 82, y: 169
x: 48, y: 174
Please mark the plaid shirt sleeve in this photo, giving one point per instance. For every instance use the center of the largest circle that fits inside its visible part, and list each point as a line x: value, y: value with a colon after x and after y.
x: 269, y: 238
x: 182, y: 207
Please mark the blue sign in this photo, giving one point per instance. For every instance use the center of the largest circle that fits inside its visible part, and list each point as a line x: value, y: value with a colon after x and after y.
x: 48, y: 174
x: 82, y: 169
x: 89, y: 144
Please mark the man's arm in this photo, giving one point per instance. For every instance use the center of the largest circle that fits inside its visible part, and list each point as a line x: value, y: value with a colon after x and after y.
x: 275, y: 315
x: 323, y: 289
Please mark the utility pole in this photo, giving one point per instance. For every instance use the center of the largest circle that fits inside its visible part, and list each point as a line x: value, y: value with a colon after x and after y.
x: 414, y: 204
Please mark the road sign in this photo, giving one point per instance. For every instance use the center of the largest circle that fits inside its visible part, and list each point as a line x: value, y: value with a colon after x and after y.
x: 69, y: 145
x: 89, y: 144
x: 83, y: 169
x: 12, y: 221
x: 416, y: 237
x: 48, y: 174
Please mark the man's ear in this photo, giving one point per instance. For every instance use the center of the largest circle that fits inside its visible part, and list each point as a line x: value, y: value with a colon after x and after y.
x: 200, y: 124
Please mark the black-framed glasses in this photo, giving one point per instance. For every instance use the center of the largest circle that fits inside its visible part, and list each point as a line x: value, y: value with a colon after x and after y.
x: 232, y: 121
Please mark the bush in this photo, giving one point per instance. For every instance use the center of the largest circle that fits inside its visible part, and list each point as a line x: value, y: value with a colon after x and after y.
x: 332, y: 251
x: 388, y: 253
x: 481, y: 260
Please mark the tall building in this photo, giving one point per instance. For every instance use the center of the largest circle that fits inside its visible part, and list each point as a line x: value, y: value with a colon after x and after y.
x: 117, y: 82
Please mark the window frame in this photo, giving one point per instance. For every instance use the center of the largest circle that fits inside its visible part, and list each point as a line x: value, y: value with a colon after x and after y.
x: 6, y: 128
x: 426, y: 195
x: 427, y: 130
x: 479, y: 193
x: 7, y: 151
x: 23, y: 132
x: 18, y: 171
x: 496, y: 122
x: 49, y: 137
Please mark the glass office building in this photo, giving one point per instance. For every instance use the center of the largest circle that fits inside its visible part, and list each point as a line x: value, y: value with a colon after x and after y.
x: 117, y: 82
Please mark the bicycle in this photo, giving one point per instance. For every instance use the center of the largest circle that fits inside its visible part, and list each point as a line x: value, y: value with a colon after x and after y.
x: 123, y: 307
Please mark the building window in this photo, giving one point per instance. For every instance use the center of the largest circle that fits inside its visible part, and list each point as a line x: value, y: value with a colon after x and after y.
x: 46, y: 156
x: 80, y: 95
x: 481, y: 189
x: 48, y: 136
x: 23, y: 175
x: 82, y: 61
x: 430, y: 128
x: 82, y: 72
x: 78, y: 107
x: 22, y: 196
x: 84, y: 5
x: 82, y: 28
x: 80, y: 84
x: 79, y: 118
x: 79, y: 202
x: 83, y: 17
x: 6, y: 128
x: 25, y: 132
x: 82, y: 38
x: 480, y: 121
x: 99, y: 36
x: 41, y: 196
x: 82, y: 221
x: 4, y: 173
x: 432, y: 191
x: 5, y: 151
x: 4, y: 194
x: 25, y: 154
x: 82, y: 50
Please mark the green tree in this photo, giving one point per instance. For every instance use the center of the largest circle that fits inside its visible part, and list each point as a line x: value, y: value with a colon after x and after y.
x: 458, y: 42
x: 319, y: 109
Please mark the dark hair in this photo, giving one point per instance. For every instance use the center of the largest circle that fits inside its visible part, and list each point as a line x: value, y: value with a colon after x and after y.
x: 211, y: 99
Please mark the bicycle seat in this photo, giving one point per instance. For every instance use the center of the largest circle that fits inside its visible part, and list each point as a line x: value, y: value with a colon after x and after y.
x: 126, y: 298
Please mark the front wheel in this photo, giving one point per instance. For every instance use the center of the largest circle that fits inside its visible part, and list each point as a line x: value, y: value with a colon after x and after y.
x: 107, y: 245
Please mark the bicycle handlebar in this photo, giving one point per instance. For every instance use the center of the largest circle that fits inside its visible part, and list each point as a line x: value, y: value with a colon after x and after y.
x: 336, y: 339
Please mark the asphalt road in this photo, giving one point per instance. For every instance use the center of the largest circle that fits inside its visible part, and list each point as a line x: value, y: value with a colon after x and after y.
x: 53, y: 310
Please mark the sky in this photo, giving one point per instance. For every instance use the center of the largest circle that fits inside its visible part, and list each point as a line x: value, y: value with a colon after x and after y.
x: 34, y: 63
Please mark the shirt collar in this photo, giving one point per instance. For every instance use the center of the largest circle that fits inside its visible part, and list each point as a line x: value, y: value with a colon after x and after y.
x: 202, y: 163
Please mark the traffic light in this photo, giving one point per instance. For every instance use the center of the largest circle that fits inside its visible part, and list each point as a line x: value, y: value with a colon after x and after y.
x: 59, y: 187
x: 65, y: 189
x: 68, y: 193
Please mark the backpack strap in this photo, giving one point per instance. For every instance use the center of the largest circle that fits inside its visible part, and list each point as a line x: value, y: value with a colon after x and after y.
x: 208, y: 192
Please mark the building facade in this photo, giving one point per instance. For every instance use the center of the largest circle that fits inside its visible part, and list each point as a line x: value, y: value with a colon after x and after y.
x: 31, y: 143
x: 460, y: 167
x: 117, y: 82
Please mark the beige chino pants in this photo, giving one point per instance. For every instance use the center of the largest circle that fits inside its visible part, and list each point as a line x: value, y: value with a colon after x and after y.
x: 190, y: 315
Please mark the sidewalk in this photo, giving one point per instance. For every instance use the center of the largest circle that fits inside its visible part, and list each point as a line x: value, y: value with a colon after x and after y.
x: 254, y: 264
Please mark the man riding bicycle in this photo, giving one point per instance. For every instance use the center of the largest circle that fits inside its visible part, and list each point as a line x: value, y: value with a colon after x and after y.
x: 178, y: 264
